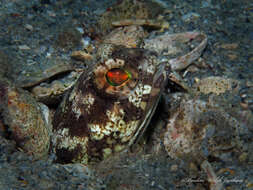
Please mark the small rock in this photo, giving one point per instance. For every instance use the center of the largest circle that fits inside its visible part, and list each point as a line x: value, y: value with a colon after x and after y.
x: 174, y: 168
x: 244, y: 105
x: 80, y: 29
x: 231, y: 46
x: 232, y: 57
x: 192, y: 69
x: 29, y: 27
x: 81, y: 55
x: 86, y: 41
x: 205, y: 4
x: 226, y: 170
x: 249, y: 83
x: 51, y: 13
x: 243, y: 157
x: 249, y: 185
x: 24, y: 47
x: 193, y: 167
x: 196, y: 80
x: 190, y: 16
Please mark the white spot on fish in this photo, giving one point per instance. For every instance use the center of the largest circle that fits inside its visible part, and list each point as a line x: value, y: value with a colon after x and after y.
x: 147, y: 89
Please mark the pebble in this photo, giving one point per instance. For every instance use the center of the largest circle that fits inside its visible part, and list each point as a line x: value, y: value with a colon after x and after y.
x: 24, y: 47
x: 81, y: 55
x: 244, y: 105
x: 249, y: 185
x: 85, y: 41
x: 193, y: 167
x: 205, y: 4
x: 249, y: 83
x: 29, y: 27
x: 231, y: 46
x: 192, y: 69
x: 174, y: 168
x: 190, y: 16
x: 51, y: 13
x: 80, y: 29
x: 243, y: 157
x: 232, y: 56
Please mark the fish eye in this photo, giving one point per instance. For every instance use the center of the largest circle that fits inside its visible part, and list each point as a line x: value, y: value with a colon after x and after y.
x: 117, y: 76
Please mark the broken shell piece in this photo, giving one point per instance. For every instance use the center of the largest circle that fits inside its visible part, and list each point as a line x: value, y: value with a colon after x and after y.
x: 176, y: 78
x: 32, y: 78
x: 169, y: 42
x: 213, y: 84
x: 50, y: 93
x: 184, y: 61
x: 28, y: 121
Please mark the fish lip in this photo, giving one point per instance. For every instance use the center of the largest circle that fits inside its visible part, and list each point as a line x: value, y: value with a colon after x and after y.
x: 142, y: 128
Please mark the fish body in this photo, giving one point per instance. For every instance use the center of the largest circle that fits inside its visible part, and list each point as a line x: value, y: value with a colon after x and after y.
x: 110, y: 105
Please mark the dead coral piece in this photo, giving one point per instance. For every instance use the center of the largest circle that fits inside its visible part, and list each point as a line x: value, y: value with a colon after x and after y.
x: 216, y: 85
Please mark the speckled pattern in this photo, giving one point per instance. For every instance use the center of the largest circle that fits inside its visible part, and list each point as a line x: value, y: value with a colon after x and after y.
x: 97, y: 119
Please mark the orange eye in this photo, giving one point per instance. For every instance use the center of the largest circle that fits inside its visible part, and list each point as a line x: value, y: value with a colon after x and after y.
x: 117, y: 76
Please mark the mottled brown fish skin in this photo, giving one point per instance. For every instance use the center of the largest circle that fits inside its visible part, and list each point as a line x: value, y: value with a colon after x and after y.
x: 97, y: 119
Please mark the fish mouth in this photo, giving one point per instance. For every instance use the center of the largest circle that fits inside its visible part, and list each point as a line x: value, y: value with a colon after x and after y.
x: 159, y: 82
x: 145, y: 122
